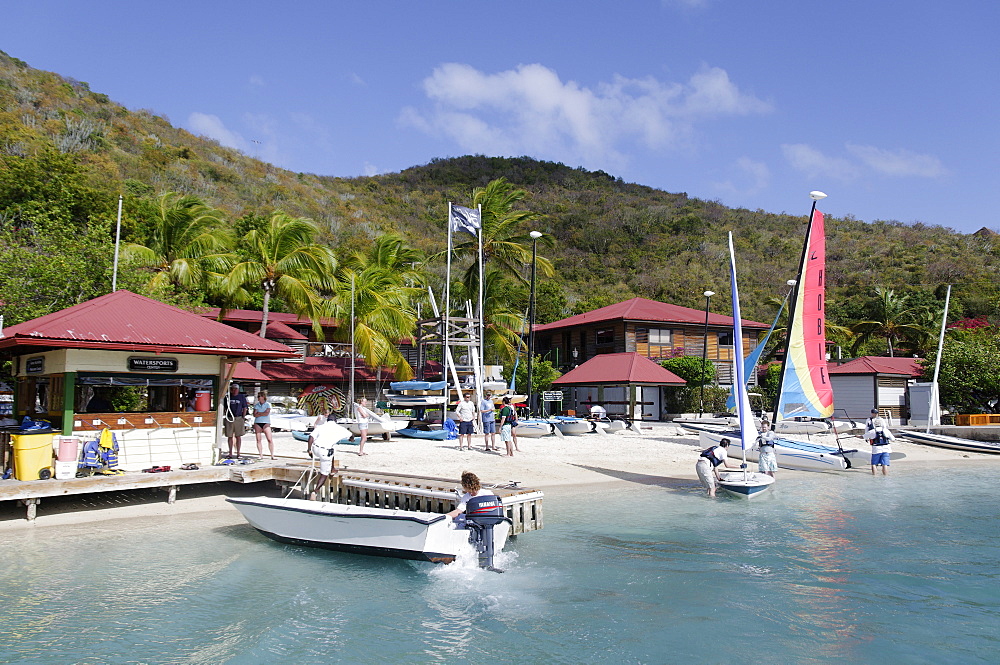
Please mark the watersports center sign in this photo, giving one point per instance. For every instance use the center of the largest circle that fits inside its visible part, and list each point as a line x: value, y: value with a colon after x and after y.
x: 152, y: 364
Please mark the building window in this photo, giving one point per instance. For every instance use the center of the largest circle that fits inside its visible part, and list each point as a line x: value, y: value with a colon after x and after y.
x: 605, y: 337
x: 658, y: 341
x: 725, y: 339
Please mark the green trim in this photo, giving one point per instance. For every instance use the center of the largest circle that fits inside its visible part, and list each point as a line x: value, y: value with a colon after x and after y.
x: 69, y: 402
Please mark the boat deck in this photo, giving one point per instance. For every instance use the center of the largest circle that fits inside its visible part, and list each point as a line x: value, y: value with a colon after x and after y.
x: 360, y: 488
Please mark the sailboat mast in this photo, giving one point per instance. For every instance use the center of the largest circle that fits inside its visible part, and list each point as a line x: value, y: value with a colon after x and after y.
x: 792, y: 306
x: 935, y: 405
x: 352, y: 340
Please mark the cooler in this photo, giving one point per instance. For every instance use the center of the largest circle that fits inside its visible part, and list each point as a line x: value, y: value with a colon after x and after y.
x: 67, y: 448
x: 203, y: 401
x: 32, y: 455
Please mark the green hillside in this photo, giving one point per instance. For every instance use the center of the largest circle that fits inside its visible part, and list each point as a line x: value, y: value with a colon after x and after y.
x: 67, y: 152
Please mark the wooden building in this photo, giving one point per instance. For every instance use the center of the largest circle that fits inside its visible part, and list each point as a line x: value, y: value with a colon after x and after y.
x: 652, y: 329
x: 874, y: 382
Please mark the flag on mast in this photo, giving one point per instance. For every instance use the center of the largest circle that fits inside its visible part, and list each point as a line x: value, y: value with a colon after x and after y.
x: 465, y: 219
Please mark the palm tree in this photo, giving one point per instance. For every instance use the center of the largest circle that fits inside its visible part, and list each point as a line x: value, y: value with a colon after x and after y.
x: 506, y: 243
x: 892, y: 319
x: 386, y: 284
x: 186, y: 241
x: 282, y: 260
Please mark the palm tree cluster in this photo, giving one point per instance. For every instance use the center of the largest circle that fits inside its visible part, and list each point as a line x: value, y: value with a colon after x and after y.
x: 189, y: 247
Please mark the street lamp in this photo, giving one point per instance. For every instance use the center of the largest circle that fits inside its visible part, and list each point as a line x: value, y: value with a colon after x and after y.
x: 704, y: 351
x: 535, y: 235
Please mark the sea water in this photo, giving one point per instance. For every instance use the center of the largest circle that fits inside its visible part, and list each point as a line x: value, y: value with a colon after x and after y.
x: 844, y: 568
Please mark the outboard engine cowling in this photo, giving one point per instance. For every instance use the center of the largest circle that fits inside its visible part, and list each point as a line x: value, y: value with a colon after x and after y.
x: 482, y: 514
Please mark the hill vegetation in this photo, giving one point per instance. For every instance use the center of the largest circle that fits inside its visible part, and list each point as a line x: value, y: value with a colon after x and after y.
x: 67, y: 153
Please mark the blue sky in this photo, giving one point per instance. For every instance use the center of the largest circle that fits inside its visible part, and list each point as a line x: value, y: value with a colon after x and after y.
x: 890, y: 108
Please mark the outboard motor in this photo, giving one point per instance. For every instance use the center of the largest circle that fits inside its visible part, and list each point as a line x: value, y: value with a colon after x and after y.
x: 482, y: 514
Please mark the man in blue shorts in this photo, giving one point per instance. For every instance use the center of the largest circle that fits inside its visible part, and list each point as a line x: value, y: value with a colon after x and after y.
x: 466, y: 411
x: 879, y: 436
x: 489, y: 414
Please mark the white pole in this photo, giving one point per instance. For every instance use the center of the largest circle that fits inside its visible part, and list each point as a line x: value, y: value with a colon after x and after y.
x: 353, y: 355
x: 118, y: 240
x: 482, y: 323
x: 934, y: 413
x: 447, y: 303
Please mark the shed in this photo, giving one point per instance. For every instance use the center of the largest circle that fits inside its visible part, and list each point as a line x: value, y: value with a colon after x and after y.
x: 868, y: 382
x: 626, y: 384
x: 68, y: 366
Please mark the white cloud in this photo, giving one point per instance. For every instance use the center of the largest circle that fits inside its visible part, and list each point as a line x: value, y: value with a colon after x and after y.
x: 868, y: 160
x: 357, y: 80
x: 750, y: 178
x: 257, y: 81
x: 211, y: 126
x: 371, y: 169
x: 530, y: 110
x: 814, y: 163
x: 898, y: 163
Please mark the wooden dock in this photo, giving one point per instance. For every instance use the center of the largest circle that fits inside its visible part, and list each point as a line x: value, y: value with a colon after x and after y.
x: 359, y: 488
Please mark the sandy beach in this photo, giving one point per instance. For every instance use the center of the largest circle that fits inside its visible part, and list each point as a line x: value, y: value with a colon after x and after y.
x: 660, y: 455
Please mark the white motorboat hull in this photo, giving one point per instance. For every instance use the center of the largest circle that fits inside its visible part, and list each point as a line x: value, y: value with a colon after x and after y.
x: 747, y: 485
x: 401, y: 534
x: 533, y: 428
x: 953, y: 442
x: 375, y: 428
x: 796, y: 455
x: 576, y: 427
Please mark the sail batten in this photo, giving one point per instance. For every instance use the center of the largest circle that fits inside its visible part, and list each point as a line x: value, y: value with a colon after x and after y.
x: 805, y: 385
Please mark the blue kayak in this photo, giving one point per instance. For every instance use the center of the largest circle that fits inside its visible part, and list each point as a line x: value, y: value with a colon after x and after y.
x: 436, y: 435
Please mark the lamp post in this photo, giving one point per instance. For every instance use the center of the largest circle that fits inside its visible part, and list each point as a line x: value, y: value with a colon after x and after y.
x: 535, y: 235
x: 704, y: 351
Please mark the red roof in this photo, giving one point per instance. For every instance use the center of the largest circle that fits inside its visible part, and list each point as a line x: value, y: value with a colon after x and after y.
x: 248, y: 372
x: 643, y: 309
x: 278, y: 330
x: 878, y: 365
x: 255, y: 316
x: 618, y: 369
x: 317, y: 368
x: 126, y: 321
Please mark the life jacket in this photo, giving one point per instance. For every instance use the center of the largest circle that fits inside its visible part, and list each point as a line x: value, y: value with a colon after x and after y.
x: 108, y: 445
x: 880, y: 438
x: 707, y: 454
x: 91, y: 455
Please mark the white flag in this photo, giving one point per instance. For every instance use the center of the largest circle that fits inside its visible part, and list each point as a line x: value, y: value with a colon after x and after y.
x: 465, y: 219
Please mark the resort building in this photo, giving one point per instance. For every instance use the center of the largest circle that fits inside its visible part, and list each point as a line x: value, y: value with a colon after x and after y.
x: 868, y: 382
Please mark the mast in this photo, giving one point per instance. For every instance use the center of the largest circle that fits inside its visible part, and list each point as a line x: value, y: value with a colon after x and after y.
x: 792, y: 307
x: 934, y: 413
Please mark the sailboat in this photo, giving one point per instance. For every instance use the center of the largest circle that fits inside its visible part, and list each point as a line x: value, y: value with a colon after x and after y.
x: 805, y: 390
x: 744, y: 484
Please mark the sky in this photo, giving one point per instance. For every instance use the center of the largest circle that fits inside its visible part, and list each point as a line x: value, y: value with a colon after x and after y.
x: 889, y: 108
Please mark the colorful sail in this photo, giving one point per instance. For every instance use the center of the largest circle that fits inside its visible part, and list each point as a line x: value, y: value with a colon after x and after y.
x: 805, y: 385
x: 748, y: 428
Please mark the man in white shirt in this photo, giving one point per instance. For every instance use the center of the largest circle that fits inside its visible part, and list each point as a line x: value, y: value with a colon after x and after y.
x: 466, y: 412
x: 322, y: 442
x: 878, y: 435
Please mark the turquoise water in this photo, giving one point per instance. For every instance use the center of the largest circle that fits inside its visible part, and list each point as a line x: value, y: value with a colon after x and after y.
x: 828, y: 569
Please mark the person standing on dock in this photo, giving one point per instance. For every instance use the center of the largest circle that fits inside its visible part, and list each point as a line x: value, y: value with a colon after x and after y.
x: 488, y: 411
x: 322, y: 445
x: 262, y: 423
x: 233, y: 421
x: 878, y: 435
x: 362, y: 416
x: 466, y: 412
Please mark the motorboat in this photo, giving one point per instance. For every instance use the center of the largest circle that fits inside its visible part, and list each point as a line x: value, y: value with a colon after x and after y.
x: 790, y: 453
x: 401, y: 534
